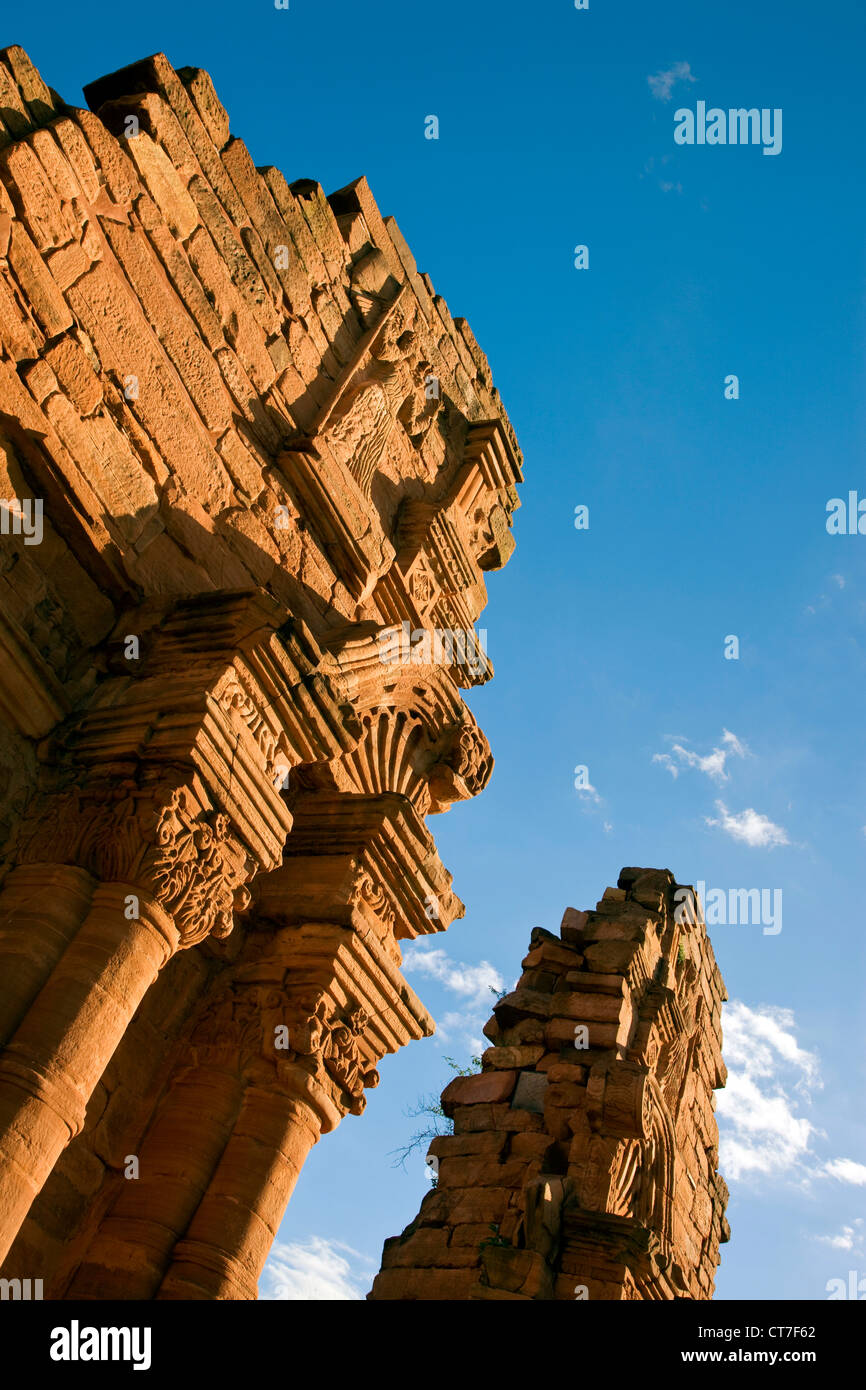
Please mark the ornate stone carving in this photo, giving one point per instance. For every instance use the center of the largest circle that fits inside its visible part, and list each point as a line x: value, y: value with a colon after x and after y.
x: 162, y: 842
x: 200, y: 871
x: 466, y: 766
x: 343, y: 1058
x: 235, y: 699
x: 625, y: 1178
x: 334, y: 1038
x: 365, y: 890
x: 594, y: 1029
x: 388, y: 391
x: 208, y: 537
x: 237, y: 1023
x: 470, y: 756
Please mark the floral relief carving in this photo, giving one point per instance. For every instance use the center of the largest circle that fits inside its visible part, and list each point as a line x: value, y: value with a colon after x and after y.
x: 200, y: 871
x: 366, y: 891
x: 235, y: 699
x: 187, y: 858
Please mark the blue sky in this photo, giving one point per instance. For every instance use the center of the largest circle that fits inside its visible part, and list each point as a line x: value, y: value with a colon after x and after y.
x: 707, y: 518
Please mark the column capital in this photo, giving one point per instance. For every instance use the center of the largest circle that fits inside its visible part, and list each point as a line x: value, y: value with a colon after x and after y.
x: 172, y: 778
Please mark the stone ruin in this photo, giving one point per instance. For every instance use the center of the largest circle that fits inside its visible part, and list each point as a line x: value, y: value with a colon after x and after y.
x: 262, y: 450
x: 584, y: 1158
x: 249, y: 467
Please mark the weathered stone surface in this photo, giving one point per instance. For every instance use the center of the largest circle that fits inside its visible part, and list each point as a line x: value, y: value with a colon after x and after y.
x: 604, y: 1193
x: 261, y: 452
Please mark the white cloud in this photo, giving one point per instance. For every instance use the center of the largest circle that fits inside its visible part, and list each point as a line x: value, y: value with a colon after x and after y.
x: 750, y: 827
x: 849, y: 1238
x: 758, y: 1038
x: 661, y: 84
x: 761, y: 1132
x: 316, y: 1269
x: 465, y: 1029
x: 470, y: 981
x: 473, y: 984
x: 838, y: 579
x: 712, y: 764
x: 582, y: 785
x: 846, y: 1170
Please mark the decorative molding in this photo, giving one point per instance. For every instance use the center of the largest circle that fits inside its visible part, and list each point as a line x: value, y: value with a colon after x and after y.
x: 200, y: 871
x: 162, y: 842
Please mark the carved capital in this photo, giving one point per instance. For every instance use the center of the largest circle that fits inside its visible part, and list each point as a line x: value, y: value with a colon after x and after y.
x: 366, y: 861
x: 163, y: 841
x: 337, y: 1040
x: 199, y: 869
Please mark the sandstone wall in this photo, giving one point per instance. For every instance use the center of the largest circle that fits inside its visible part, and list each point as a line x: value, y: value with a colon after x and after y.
x: 264, y: 453
x: 584, y: 1158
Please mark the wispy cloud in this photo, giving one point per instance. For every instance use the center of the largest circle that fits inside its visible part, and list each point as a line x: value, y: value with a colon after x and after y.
x: 827, y: 600
x: 763, y: 1133
x: 588, y: 794
x: 750, y: 827
x: 712, y: 764
x: 472, y: 982
x: 769, y: 1075
x: 846, y: 1170
x: 474, y: 985
x: 463, y: 1029
x: 316, y: 1269
x: 849, y: 1238
x: 661, y: 84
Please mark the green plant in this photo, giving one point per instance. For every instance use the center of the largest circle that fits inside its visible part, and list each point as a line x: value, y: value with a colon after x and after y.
x: 431, y: 1106
x: 495, y: 1239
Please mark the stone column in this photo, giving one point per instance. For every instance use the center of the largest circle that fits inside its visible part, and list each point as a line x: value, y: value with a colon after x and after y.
x: 57, y: 1055
x: 186, y: 875
x: 41, y: 908
x: 163, y: 847
x: 303, y: 1017
x: 188, y: 1135
x: 227, y: 1243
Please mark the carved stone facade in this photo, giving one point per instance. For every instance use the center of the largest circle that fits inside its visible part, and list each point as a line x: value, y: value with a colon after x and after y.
x: 584, y: 1158
x: 244, y: 450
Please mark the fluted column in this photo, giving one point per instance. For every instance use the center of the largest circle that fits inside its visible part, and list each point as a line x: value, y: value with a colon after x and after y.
x: 57, y: 1055
x: 42, y: 906
x: 132, y: 1247
x: 223, y: 1252
x: 163, y: 800
x: 285, y: 1044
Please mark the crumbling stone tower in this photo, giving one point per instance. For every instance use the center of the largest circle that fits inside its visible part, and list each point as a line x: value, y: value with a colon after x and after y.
x: 249, y: 467
x: 583, y: 1162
